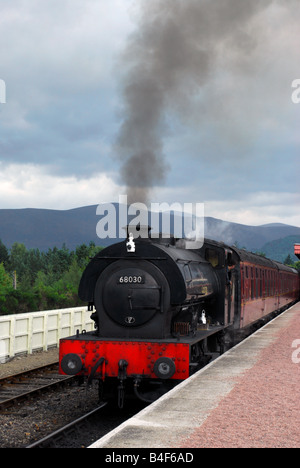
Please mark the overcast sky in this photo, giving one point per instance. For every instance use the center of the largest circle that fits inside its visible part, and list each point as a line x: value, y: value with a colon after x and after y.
x: 191, y: 98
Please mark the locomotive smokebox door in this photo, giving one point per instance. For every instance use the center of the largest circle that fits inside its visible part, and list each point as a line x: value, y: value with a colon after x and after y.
x: 132, y: 296
x: 130, y: 293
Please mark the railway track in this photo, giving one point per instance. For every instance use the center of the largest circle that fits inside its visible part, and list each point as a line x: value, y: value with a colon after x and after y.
x: 28, y: 384
x: 64, y: 437
x: 44, y: 409
x: 88, y: 427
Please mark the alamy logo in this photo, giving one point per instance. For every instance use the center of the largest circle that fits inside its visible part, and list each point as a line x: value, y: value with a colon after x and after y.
x: 296, y: 93
x: 296, y: 353
x: 180, y: 220
x: 2, y: 92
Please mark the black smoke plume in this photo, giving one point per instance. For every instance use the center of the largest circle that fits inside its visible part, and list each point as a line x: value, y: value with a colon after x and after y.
x: 166, y: 70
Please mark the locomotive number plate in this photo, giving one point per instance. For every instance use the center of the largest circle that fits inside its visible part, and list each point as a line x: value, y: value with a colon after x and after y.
x: 131, y: 279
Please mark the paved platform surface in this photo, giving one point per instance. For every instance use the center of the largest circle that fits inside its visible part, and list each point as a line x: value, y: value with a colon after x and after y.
x: 248, y: 397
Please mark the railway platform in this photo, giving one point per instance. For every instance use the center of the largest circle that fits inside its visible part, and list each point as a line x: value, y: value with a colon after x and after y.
x: 246, y: 398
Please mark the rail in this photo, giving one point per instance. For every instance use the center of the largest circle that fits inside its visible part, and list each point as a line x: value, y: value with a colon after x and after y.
x: 65, y: 433
x: 39, y: 331
x: 25, y: 385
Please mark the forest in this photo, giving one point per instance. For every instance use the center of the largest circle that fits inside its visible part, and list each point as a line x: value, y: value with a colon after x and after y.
x: 32, y: 280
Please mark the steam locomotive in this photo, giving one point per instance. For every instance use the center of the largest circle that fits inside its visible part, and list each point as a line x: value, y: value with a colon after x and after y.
x: 162, y: 309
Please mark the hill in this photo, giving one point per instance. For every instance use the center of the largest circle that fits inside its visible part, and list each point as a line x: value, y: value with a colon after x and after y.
x: 251, y: 237
x: 279, y: 249
x: 44, y: 229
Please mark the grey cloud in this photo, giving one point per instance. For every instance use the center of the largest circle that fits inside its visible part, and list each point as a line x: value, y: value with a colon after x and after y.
x: 203, y: 97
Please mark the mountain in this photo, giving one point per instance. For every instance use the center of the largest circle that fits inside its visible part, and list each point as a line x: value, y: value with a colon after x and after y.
x: 251, y: 237
x: 43, y: 229
x: 279, y: 249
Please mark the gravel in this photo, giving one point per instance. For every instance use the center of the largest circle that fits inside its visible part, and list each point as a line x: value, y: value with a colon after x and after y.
x: 29, y: 361
x: 25, y: 423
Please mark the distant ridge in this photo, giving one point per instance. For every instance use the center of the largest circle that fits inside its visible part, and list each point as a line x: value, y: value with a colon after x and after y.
x: 44, y: 229
x: 273, y: 225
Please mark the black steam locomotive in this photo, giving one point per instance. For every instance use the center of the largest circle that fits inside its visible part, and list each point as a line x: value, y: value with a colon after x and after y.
x: 161, y: 310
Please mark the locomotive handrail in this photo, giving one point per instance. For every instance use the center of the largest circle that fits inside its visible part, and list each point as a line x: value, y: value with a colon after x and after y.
x: 144, y: 307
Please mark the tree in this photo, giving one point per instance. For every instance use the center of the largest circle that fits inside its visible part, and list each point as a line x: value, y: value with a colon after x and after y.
x: 18, y: 259
x: 296, y: 265
x: 4, y: 255
x: 57, y: 261
x: 34, y: 263
x: 5, y: 288
x: 5, y: 281
x: 82, y: 253
x: 288, y: 260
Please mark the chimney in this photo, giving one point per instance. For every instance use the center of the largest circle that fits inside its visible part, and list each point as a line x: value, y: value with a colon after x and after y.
x: 139, y: 231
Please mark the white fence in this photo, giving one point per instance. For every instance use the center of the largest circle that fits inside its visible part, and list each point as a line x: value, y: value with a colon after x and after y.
x: 25, y: 333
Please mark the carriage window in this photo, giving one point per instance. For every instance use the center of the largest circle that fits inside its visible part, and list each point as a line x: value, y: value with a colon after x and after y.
x: 252, y: 282
x: 260, y: 283
x: 279, y: 284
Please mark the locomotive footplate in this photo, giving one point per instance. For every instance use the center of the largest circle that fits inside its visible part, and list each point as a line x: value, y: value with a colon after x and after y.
x: 85, y: 353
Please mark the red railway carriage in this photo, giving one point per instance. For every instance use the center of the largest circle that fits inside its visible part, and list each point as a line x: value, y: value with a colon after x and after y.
x: 161, y: 310
x: 266, y: 286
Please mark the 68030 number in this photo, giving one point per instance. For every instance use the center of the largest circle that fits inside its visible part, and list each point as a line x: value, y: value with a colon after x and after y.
x: 135, y: 279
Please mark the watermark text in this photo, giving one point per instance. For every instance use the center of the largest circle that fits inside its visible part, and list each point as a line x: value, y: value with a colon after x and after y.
x: 2, y: 92
x: 296, y: 353
x: 179, y: 220
x: 296, y: 93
